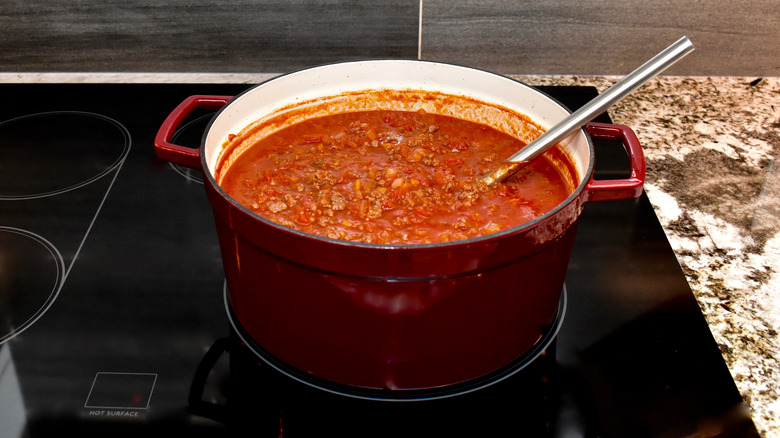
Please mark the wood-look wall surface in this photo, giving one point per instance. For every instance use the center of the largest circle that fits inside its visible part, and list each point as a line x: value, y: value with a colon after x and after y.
x: 732, y: 37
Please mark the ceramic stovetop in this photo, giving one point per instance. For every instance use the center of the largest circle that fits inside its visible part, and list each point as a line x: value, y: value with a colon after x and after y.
x: 112, y: 285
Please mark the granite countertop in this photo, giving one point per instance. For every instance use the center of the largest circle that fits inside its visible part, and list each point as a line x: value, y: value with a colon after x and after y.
x: 711, y: 145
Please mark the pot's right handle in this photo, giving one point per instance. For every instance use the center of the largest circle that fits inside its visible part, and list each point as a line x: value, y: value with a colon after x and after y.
x: 185, y: 156
x: 615, y: 189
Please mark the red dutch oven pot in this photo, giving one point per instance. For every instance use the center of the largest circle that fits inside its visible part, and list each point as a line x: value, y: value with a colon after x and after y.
x: 398, y: 317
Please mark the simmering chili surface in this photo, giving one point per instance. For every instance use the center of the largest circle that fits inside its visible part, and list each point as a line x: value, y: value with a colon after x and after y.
x: 390, y: 177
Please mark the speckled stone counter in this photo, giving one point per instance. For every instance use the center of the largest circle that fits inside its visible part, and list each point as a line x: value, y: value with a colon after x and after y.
x: 711, y: 146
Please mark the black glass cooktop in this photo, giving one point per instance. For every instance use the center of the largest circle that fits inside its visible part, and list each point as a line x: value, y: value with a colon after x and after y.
x: 113, y: 322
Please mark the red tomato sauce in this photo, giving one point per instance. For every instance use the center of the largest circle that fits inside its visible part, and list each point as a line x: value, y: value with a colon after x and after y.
x: 390, y: 177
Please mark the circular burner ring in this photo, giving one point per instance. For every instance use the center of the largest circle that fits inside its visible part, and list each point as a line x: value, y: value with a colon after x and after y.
x: 190, y: 135
x: 46, y: 191
x: 37, y: 307
x: 403, y: 395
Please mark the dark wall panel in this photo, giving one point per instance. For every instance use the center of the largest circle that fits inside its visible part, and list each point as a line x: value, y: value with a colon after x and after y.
x: 732, y: 37
x: 197, y: 36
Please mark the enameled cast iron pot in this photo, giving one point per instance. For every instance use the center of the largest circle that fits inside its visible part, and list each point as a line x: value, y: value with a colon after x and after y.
x: 402, y: 317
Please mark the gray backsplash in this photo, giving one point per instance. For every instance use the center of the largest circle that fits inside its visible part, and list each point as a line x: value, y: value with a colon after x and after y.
x: 524, y: 37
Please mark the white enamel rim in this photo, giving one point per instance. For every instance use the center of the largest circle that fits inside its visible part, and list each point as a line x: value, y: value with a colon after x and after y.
x: 334, y: 79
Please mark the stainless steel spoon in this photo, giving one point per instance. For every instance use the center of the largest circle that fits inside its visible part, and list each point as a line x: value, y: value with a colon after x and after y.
x: 590, y: 111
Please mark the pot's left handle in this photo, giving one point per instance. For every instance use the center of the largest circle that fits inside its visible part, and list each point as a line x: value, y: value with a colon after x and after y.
x: 185, y: 156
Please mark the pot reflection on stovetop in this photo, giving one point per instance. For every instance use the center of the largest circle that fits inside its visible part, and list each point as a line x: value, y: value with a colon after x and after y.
x: 259, y: 392
x: 258, y: 399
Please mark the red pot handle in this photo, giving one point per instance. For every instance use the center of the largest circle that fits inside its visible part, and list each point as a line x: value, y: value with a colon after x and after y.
x: 615, y: 189
x: 185, y: 156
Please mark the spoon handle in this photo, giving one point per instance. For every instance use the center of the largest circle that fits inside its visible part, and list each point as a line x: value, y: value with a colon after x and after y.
x: 591, y: 110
